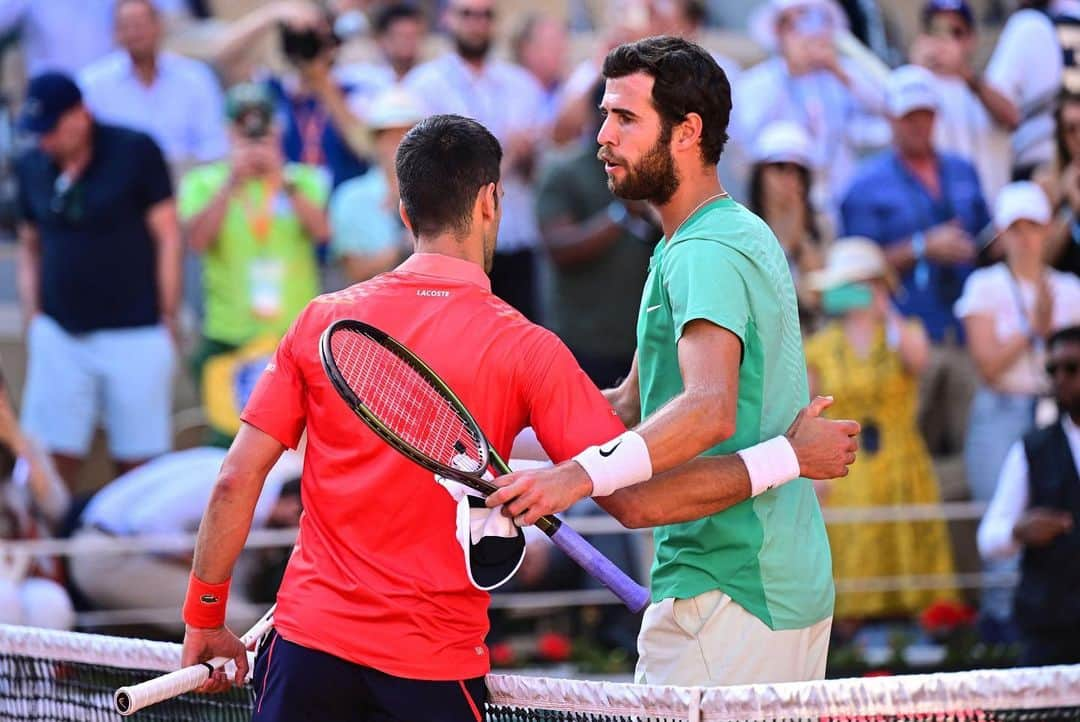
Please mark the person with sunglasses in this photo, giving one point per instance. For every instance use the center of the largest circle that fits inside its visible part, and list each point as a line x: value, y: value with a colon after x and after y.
x: 974, y: 117
x: 1034, y: 513
x: 99, y: 280
x: 1061, y: 180
x: 1008, y: 310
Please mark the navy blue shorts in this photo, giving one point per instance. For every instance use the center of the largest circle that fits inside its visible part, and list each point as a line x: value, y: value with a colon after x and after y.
x: 296, y: 684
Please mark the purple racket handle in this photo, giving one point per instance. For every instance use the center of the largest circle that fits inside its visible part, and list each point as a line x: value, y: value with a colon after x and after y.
x: 632, y: 594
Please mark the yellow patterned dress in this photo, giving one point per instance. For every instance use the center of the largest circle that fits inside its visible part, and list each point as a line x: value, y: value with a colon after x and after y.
x: 893, y: 468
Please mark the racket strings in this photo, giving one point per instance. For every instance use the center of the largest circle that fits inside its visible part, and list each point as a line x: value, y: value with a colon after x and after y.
x: 405, y: 401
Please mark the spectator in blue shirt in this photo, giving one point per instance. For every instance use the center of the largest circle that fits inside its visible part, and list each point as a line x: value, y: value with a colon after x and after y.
x: 99, y: 281
x: 925, y: 208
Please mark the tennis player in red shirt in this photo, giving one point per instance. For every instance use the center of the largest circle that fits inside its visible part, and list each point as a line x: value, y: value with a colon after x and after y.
x: 377, y: 616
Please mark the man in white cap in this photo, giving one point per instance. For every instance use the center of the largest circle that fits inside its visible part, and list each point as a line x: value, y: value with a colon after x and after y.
x: 924, y: 207
x: 367, y: 236
x: 808, y: 83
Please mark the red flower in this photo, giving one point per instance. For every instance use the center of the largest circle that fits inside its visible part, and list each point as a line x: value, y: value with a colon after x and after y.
x: 878, y: 673
x: 943, y: 616
x: 553, y: 647
x: 502, y: 654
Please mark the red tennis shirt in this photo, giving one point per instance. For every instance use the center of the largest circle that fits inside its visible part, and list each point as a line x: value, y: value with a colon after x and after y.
x: 377, y: 576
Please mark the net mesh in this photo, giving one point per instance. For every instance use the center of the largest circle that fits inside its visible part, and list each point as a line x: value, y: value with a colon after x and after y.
x: 62, y: 676
x: 404, y: 401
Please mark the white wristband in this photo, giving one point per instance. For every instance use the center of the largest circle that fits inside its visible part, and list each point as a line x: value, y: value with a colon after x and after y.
x: 770, y: 464
x: 623, y: 461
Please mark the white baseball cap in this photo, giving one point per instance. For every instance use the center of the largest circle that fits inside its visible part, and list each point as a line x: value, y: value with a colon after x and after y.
x: 850, y: 260
x: 783, y: 141
x: 394, y: 108
x: 762, y: 24
x: 911, y: 88
x: 1022, y: 200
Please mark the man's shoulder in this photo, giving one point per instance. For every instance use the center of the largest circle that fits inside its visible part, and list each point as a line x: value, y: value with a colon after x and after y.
x: 104, y: 70
x: 1038, y: 441
x: 361, y: 191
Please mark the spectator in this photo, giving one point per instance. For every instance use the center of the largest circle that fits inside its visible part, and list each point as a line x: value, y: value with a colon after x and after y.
x: 596, y: 242
x: 256, y: 220
x: 168, y: 496
x: 541, y: 46
x: 33, y: 500
x: 975, y: 118
x: 399, y: 30
x: 1034, y: 512
x: 807, y: 83
x: 780, y: 182
x: 509, y: 102
x: 174, y: 99
x: 1008, y: 310
x: 1061, y: 181
x: 367, y: 234
x: 99, y: 281
x: 63, y: 35
x: 870, y: 358
x: 1026, y: 67
x: 319, y: 127
x: 924, y: 207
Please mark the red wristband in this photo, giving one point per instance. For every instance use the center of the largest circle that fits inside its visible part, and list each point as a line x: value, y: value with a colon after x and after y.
x: 204, y: 606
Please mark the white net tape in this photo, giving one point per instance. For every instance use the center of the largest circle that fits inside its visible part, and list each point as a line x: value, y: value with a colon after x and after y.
x: 931, y: 694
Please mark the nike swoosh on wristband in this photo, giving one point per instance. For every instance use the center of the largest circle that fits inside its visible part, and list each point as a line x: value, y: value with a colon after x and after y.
x: 608, y: 453
x: 650, y: 309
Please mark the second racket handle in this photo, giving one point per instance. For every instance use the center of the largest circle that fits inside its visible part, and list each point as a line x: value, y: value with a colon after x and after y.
x: 632, y: 594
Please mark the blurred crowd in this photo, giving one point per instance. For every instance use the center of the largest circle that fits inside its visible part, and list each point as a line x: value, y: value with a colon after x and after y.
x: 175, y: 213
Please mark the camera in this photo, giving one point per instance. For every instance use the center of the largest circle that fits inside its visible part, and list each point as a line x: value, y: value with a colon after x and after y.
x: 255, y: 124
x: 303, y: 46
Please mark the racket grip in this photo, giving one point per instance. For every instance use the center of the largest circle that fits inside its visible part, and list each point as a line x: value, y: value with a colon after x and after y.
x: 129, y: 700
x: 632, y: 594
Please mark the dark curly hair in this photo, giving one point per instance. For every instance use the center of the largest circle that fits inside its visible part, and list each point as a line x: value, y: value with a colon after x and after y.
x: 686, y: 80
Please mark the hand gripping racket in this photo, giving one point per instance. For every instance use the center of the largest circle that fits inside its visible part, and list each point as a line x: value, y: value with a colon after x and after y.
x: 129, y: 700
x: 409, y: 407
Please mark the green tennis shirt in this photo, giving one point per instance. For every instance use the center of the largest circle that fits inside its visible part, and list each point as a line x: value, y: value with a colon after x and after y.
x: 770, y: 554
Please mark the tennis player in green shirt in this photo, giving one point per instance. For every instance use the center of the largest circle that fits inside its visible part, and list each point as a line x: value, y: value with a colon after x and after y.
x: 744, y: 595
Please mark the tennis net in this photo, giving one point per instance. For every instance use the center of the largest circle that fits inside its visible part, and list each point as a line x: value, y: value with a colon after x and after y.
x: 62, y: 676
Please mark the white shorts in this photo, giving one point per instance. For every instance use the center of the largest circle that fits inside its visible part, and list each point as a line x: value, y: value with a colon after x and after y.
x: 120, y: 378
x: 710, y: 641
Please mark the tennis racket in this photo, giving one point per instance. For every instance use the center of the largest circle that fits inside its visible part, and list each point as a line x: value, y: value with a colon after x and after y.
x: 409, y: 407
x: 129, y: 700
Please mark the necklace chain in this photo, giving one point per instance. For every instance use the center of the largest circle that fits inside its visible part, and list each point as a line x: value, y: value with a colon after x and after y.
x: 707, y: 201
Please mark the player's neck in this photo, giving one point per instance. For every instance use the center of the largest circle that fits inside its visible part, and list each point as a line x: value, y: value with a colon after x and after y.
x: 447, y: 244
x: 694, y: 192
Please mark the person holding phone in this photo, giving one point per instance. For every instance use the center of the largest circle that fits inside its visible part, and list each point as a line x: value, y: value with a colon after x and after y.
x: 807, y: 82
x: 255, y: 220
x: 869, y: 358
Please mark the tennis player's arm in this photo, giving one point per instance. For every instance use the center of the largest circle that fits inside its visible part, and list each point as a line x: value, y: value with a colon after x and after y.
x: 227, y: 520
x: 626, y: 397
x: 703, y: 415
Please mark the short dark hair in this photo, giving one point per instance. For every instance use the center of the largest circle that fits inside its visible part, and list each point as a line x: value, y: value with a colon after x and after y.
x: 1070, y: 334
x: 686, y: 80
x: 390, y: 13
x: 441, y: 164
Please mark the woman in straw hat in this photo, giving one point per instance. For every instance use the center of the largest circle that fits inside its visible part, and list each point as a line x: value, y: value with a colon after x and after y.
x: 870, y: 359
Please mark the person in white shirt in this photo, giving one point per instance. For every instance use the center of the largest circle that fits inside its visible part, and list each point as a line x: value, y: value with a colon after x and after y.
x: 974, y: 118
x: 167, y: 496
x: 806, y: 81
x: 509, y: 102
x: 176, y: 100
x: 65, y: 35
x: 1008, y: 311
x: 1034, y: 513
x: 1027, y: 67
